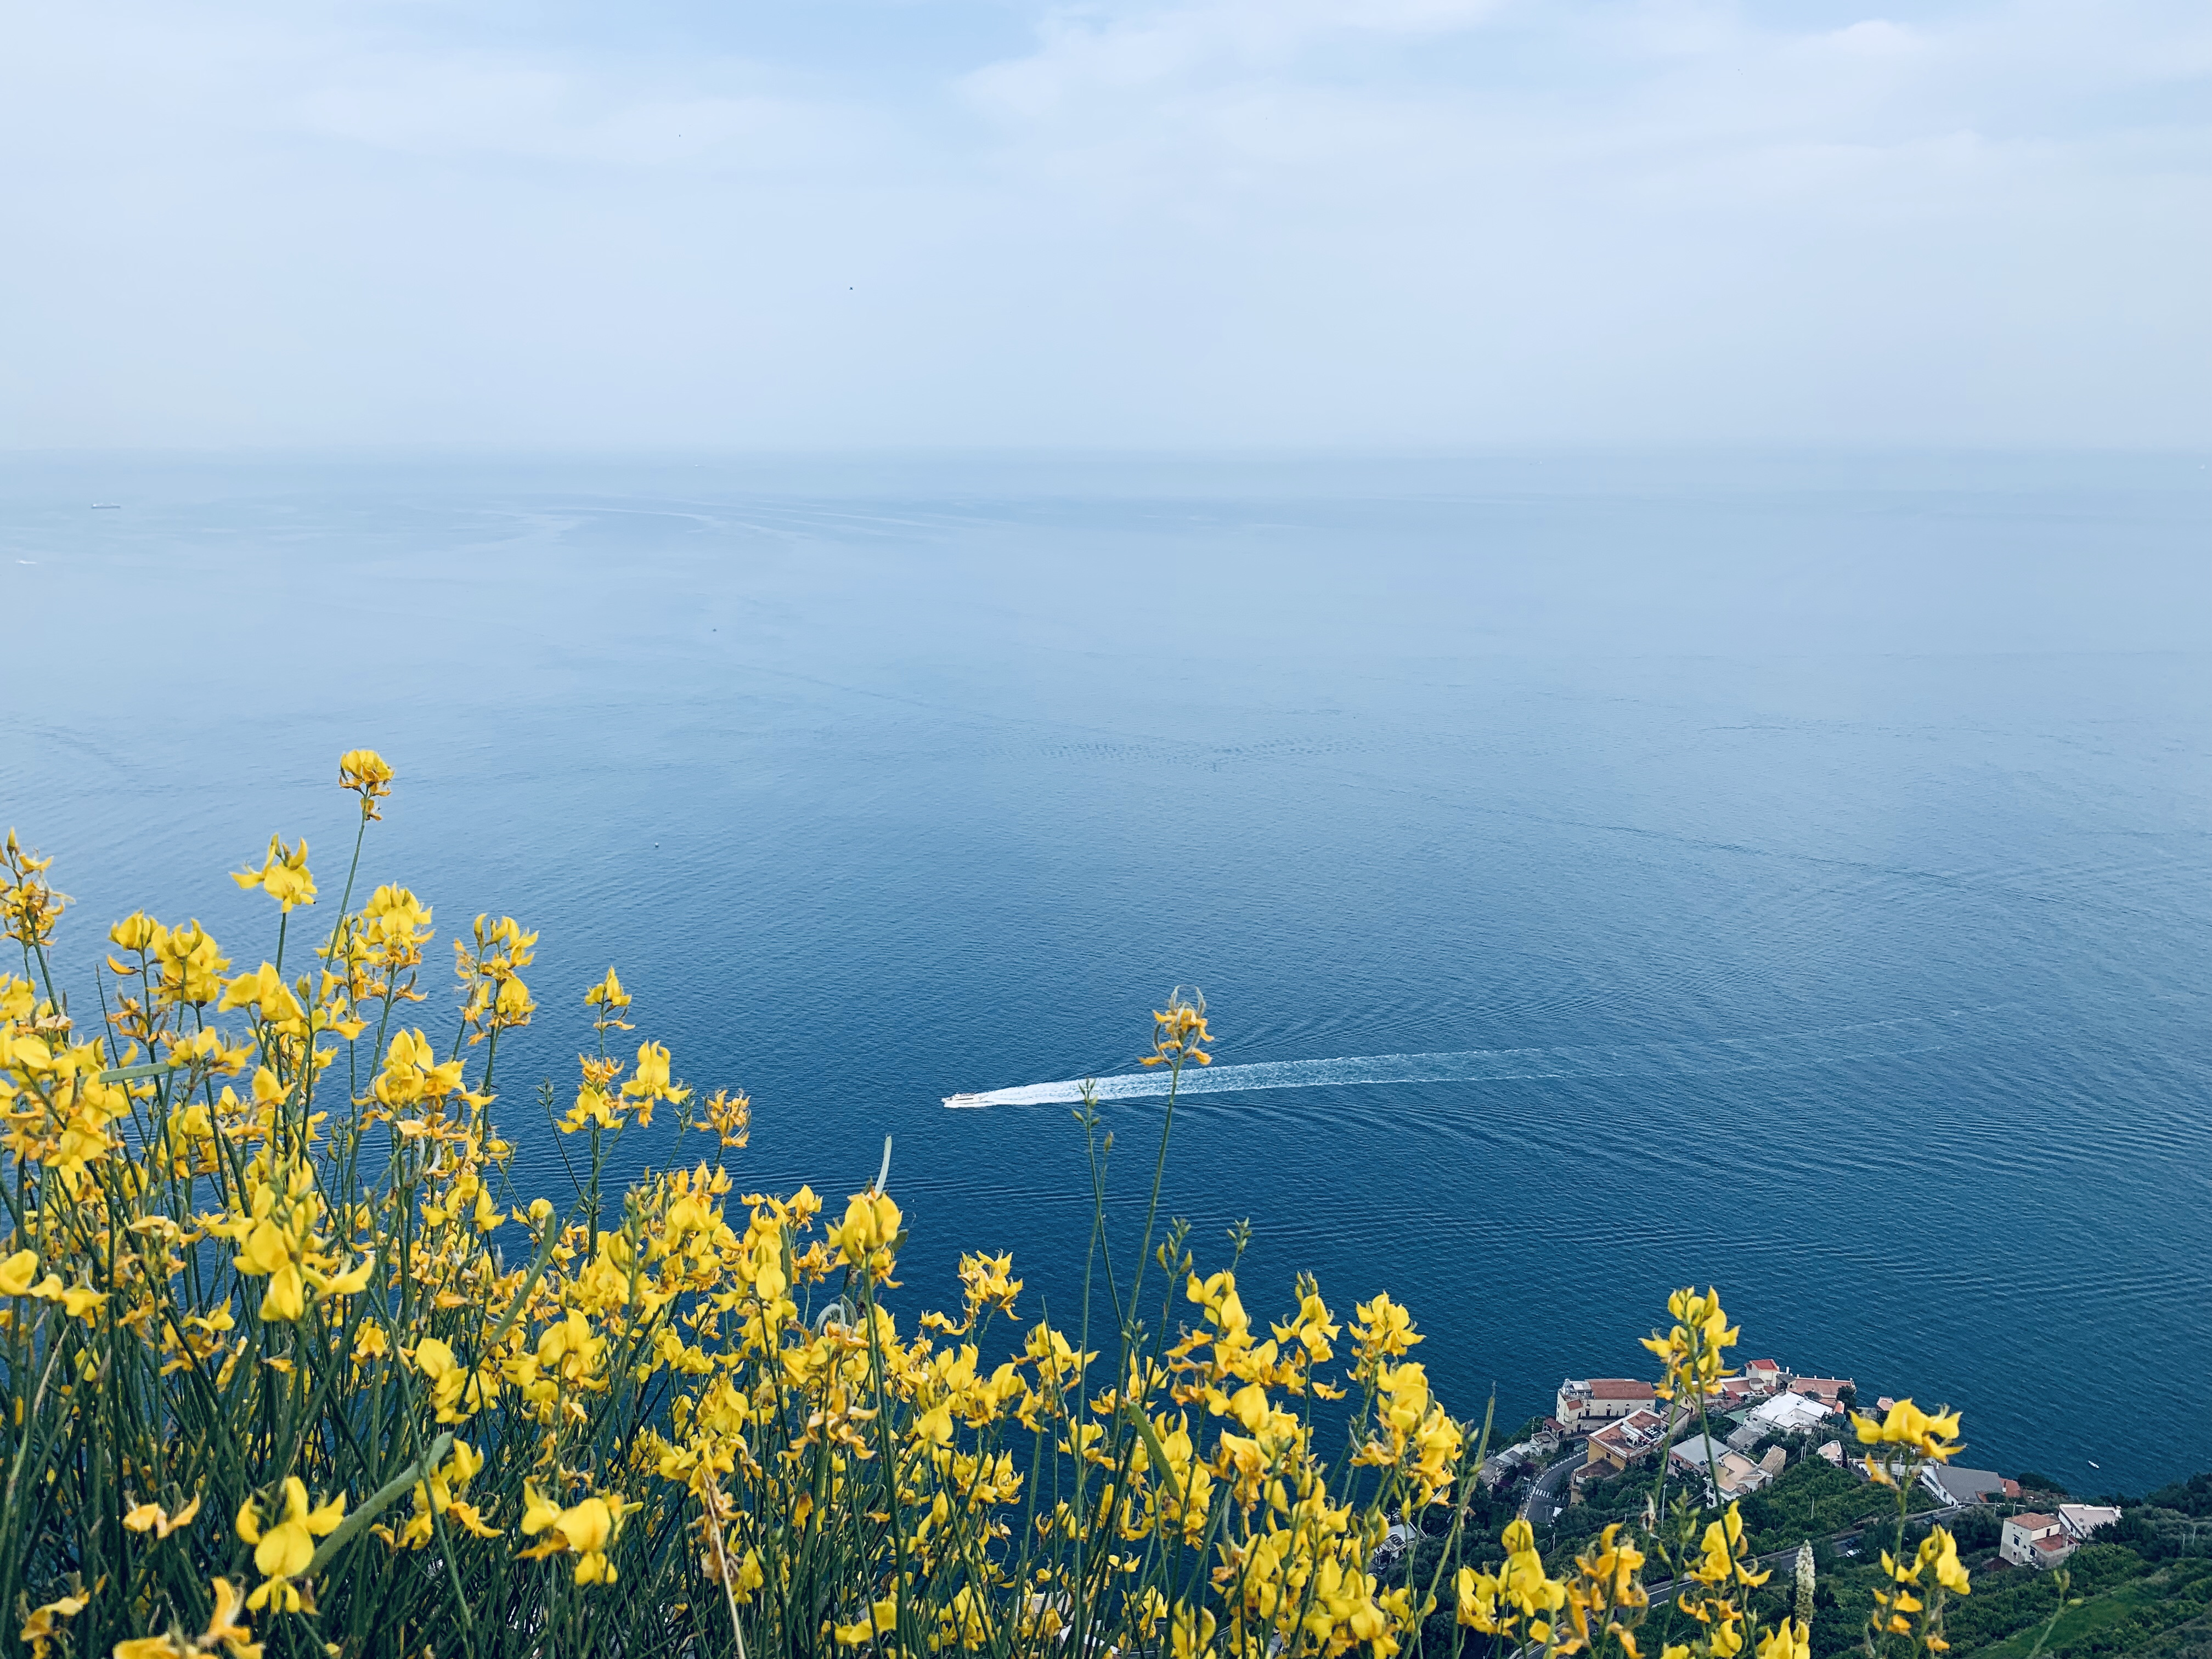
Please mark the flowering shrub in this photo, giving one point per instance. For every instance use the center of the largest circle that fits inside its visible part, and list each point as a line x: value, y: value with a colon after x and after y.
x: 291, y: 1370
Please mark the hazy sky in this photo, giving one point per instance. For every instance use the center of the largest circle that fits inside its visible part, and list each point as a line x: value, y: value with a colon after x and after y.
x: 1220, y: 222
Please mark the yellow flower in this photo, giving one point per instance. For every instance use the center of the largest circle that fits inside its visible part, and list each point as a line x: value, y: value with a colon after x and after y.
x: 412, y: 1073
x: 1606, y: 1583
x: 264, y: 990
x: 609, y: 994
x: 870, y: 1227
x: 1941, y: 1550
x: 883, y: 1617
x: 987, y: 1282
x: 1790, y: 1639
x: 650, y: 1081
x: 224, y: 1626
x: 345, y: 1284
x: 283, y: 875
x: 1476, y: 1595
x: 1520, y: 1583
x: 41, y: 1629
x: 1692, y: 1350
x: 470, y: 1519
x: 284, y: 1550
x: 1179, y: 1031
x: 730, y: 1117
x: 286, y: 1298
x: 1382, y: 1328
x: 587, y: 1527
x: 82, y: 1302
x: 537, y: 1514
x: 364, y: 771
x: 136, y: 931
x: 1193, y: 1638
x: 934, y: 1426
x: 28, y: 906
x: 1931, y: 1435
x: 1723, y: 1557
x: 192, y: 964
x: 152, y: 1517
x: 18, y: 1272
x: 584, y: 1529
x: 456, y: 1392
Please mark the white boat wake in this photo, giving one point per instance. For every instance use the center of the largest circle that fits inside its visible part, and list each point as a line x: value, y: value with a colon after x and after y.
x: 1872, y: 1039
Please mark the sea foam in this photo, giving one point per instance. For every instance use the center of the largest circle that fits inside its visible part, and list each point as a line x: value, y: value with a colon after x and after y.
x: 1819, y: 1048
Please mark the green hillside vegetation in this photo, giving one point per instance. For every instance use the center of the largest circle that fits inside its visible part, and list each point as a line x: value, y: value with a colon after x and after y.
x: 2148, y: 1592
x: 1812, y: 1499
x: 2119, y: 1602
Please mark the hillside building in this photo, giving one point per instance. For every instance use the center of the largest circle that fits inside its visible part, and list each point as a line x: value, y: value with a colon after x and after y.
x: 1589, y: 1402
x: 2036, y: 1540
x: 2080, y: 1519
x: 1708, y: 1463
x: 1951, y: 1486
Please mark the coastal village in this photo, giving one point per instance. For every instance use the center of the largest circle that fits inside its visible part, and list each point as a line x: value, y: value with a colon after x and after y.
x: 1759, y: 1422
x: 2052, y: 1578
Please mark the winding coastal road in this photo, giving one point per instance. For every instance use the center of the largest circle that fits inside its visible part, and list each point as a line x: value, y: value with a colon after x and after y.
x: 1548, y: 1493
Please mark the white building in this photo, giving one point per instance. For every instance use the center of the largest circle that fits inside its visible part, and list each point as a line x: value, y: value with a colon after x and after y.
x: 1587, y: 1403
x: 1763, y: 1375
x: 2035, y: 1539
x: 1786, y: 1413
x: 2080, y: 1519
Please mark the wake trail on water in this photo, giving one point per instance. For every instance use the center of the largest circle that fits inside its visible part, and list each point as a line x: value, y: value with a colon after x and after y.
x: 1872, y: 1039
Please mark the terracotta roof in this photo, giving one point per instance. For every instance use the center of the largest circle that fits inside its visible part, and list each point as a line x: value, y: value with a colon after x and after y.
x: 2054, y: 1544
x: 1762, y: 1366
x: 2033, y: 1521
x: 1620, y: 1388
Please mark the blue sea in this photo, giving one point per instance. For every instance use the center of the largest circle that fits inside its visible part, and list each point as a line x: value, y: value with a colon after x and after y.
x: 1787, y: 871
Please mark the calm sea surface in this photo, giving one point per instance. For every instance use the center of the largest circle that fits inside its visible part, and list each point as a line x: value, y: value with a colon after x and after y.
x: 1804, y: 865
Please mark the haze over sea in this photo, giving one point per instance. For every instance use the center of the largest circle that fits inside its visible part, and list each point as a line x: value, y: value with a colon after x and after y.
x: 1800, y: 861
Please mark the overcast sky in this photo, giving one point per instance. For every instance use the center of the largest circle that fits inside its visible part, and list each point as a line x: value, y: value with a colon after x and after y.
x: 818, y: 223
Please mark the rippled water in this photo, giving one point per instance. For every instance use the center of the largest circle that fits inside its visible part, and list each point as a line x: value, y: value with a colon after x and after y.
x: 1791, y: 874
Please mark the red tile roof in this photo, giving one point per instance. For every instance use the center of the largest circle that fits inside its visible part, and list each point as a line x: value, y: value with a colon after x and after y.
x: 1620, y: 1388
